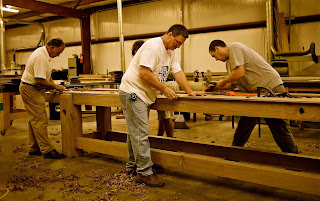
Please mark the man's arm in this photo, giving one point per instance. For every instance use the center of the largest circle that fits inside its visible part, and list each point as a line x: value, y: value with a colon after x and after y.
x: 146, y: 75
x: 180, y: 77
x: 235, y: 75
x: 50, y: 85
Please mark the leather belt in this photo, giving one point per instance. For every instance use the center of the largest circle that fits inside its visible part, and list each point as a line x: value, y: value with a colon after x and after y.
x: 29, y: 84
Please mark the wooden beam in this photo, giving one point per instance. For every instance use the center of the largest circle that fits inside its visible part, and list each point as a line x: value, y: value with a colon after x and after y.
x: 265, y: 175
x: 306, y: 109
x: 72, y: 117
x: 71, y: 4
x: 45, y: 8
x: 247, y: 107
x: 114, y: 5
x: 86, y: 43
x: 296, y: 162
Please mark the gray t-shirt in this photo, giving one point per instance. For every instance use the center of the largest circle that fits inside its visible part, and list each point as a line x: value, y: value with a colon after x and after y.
x: 258, y: 73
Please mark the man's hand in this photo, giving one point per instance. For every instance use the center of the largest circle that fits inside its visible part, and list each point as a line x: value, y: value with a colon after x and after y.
x: 60, y: 88
x: 221, y: 84
x: 194, y: 93
x: 208, y: 87
x: 169, y: 93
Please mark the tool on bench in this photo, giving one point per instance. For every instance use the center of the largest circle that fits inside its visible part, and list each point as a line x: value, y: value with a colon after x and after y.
x: 209, y: 86
x: 232, y: 93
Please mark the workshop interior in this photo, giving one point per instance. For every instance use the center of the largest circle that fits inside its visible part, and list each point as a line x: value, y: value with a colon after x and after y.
x: 86, y: 121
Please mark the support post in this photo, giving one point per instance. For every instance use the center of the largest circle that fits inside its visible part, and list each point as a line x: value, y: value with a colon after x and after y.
x: 103, y: 117
x: 86, y: 43
x: 123, y: 64
x: 71, y: 115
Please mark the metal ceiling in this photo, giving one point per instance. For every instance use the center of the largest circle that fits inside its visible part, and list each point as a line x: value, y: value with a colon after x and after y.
x: 47, y: 10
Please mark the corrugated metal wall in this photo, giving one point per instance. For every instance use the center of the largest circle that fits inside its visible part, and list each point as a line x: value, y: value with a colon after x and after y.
x: 158, y: 17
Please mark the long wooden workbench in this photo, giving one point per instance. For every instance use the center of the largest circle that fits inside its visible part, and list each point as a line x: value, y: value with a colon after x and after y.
x: 288, y: 171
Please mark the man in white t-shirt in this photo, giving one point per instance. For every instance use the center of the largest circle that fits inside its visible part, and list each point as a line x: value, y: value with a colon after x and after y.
x: 35, y: 78
x: 249, y: 70
x: 139, y: 88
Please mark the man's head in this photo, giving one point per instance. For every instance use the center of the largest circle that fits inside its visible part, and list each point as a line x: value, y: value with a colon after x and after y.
x: 136, y: 45
x: 55, y: 47
x: 219, y: 50
x: 175, y: 36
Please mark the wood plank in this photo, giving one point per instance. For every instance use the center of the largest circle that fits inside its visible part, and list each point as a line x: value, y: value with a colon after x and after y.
x: 304, y: 109
x: 281, y: 110
x: 114, y: 92
x: 283, y: 33
x: 18, y: 115
x: 304, y: 89
x: 71, y: 126
x: 117, y: 149
x: 297, y: 162
x: 107, y: 100
x: 265, y: 175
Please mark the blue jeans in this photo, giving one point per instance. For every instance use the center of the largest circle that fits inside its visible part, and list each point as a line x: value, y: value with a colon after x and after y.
x: 136, y: 113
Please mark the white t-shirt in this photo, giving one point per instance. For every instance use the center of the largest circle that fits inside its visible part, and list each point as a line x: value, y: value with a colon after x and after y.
x: 258, y: 73
x: 38, y: 66
x: 151, y: 54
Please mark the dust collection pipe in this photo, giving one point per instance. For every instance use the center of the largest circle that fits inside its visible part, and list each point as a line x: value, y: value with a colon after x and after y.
x: 2, y: 48
x: 43, y: 32
x: 41, y: 40
x: 123, y: 65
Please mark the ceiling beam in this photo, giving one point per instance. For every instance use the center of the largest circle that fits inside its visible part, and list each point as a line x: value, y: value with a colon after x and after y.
x: 70, y: 4
x: 114, y: 5
x: 45, y: 8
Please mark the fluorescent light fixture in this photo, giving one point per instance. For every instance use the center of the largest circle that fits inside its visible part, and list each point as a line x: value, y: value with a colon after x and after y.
x: 8, y: 9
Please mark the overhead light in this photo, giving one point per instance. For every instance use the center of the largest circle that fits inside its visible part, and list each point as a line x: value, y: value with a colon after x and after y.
x: 8, y: 9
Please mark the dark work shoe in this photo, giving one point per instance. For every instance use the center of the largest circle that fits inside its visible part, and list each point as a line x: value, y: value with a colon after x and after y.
x: 35, y: 153
x: 157, y: 168
x: 150, y: 180
x: 131, y: 172
x: 54, y: 155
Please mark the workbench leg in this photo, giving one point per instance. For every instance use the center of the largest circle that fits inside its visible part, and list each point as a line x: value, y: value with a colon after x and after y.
x: 5, y: 113
x: 103, y: 118
x: 71, y: 126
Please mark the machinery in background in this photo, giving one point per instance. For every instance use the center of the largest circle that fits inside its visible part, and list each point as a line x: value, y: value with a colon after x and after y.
x: 280, y: 62
x: 202, y: 76
x: 75, y: 67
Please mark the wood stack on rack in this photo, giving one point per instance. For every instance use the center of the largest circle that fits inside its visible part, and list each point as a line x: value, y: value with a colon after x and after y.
x: 281, y: 40
x: 85, y: 78
x: 116, y: 76
x: 10, y: 83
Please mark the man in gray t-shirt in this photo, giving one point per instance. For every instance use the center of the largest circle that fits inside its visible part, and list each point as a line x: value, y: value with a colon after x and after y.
x: 249, y: 70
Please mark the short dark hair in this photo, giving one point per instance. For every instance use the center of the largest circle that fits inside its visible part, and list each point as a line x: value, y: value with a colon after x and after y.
x: 56, y: 42
x: 136, y: 45
x: 214, y: 44
x: 178, y: 29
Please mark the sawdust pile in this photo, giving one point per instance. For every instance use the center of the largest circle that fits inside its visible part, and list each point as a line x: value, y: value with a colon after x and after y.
x: 73, y: 184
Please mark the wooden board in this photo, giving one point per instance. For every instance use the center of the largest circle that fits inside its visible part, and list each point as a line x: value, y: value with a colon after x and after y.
x: 73, y: 141
x: 265, y: 175
x: 303, y: 109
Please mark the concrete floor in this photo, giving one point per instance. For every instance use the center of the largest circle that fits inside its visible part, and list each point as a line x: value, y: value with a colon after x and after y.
x: 99, y: 177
